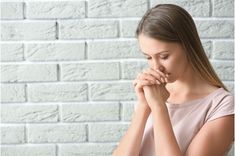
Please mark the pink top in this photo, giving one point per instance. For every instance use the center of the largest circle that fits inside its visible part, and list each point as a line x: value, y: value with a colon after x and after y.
x: 189, y: 117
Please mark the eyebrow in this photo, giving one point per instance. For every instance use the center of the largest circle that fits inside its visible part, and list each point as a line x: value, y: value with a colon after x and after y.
x: 157, y: 53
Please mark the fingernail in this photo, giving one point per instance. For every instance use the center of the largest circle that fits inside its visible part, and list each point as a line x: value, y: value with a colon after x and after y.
x: 167, y: 75
x: 158, y: 82
x: 166, y: 79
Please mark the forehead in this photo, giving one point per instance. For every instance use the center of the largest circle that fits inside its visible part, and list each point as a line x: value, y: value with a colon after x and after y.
x: 150, y: 45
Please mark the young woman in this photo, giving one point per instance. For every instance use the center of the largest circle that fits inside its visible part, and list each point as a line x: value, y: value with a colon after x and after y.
x: 183, y: 107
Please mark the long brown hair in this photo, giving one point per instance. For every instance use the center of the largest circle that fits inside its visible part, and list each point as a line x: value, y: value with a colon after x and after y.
x: 171, y: 23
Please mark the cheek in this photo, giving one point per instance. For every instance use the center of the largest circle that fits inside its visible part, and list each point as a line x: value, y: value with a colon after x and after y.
x: 175, y: 67
x: 171, y: 66
x: 179, y: 66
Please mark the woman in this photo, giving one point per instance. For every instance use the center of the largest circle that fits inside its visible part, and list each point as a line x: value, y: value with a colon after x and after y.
x: 183, y: 107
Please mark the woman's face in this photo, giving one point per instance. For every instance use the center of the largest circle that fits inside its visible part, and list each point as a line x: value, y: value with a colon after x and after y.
x: 167, y: 57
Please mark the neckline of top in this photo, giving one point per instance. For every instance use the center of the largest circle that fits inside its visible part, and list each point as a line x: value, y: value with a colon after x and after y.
x: 193, y: 101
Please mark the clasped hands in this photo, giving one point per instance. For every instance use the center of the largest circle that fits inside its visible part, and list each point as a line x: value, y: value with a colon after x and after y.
x: 150, y: 88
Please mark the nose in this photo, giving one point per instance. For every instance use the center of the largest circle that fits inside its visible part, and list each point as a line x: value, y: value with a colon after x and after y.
x: 157, y: 65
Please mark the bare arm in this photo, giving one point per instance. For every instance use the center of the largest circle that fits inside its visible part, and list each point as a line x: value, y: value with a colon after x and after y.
x: 165, y: 141
x: 214, y: 138
x: 164, y: 138
x: 131, y: 142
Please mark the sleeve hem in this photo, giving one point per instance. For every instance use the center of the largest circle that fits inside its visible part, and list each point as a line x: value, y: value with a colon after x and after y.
x: 220, y: 115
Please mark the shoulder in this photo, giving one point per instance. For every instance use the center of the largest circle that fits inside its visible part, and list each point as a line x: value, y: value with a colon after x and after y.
x: 216, y: 135
x: 222, y: 104
x: 222, y: 96
x: 214, y: 138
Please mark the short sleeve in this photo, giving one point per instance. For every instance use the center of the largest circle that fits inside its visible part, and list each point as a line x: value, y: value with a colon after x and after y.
x: 222, y: 107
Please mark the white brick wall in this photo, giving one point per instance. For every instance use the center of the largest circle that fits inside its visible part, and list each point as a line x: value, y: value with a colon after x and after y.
x: 67, y: 68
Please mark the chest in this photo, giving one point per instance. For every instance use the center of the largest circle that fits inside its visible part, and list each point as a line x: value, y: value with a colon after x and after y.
x: 180, y: 99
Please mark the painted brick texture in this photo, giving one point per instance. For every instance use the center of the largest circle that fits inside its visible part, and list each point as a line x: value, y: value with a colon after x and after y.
x: 67, y: 69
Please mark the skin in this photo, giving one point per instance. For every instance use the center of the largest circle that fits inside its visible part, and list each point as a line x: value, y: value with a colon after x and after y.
x: 171, y: 78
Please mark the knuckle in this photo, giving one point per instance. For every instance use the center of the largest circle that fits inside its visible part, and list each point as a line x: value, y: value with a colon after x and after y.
x: 138, y: 75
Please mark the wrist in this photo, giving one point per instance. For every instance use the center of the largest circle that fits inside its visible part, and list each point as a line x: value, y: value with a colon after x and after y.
x: 156, y: 109
x: 143, y: 109
x: 156, y: 104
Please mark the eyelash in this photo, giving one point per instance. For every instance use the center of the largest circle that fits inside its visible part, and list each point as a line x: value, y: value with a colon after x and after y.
x: 164, y: 58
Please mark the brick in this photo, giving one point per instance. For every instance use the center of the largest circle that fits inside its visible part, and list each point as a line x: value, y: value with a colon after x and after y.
x: 128, y: 28
x: 29, y: 150
x: 224, y: 69
x: 113, y: 49
x: 90, y: 112
x: 52, y: 10
x: 128, y: 8
x: 112, y: 91
x: 215, y: 28
x: 223, y: 8
x: 90, y: 71
x: 206, y: 28
x: 55, y: 51
x: 29, y: 113
x: 56, y: 133
x: 230, y: 86
x: 84, y: 29
x: 196, y: 8
x: 127, y: 111
x: 106, y: 132
x: 12, y: 134
x: 57, y: 92
x: 231, y: 151
x: 87, y: 149
x: 207, y: 45
x: 20, y: 72
x: 130, y: 69
x: 12, y: 10
x: 223, y: 50
x: 13, y: 93
x: 28, y: 30
x: 12, y: 52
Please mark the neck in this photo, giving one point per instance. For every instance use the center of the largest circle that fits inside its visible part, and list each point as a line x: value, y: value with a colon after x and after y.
x: 189, y: 82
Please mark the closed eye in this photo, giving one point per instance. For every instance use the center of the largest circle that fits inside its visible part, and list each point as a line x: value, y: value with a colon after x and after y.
x: 164, y: 57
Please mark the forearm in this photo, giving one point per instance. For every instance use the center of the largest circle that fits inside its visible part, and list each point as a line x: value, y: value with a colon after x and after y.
x: 131, y: 142
x: 165, y: 141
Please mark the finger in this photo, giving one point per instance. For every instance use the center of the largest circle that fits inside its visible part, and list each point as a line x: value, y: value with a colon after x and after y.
x: 142, y: 83
x: 163, y: 76
x: 158, y: 82
x: 145, y: 82
x: 161, y: 73
x: 147, y: 76
x: 159, y: 76
x: 134, y: 82
x: 139, y: 75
